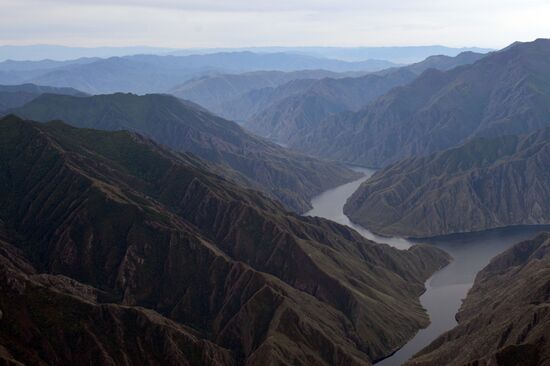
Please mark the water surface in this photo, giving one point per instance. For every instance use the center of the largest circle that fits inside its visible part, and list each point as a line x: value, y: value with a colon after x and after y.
x: 330, y: 205
x: 446, y: 288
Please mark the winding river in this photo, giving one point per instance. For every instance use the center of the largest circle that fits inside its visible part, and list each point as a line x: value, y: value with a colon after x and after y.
x: 446, y: 288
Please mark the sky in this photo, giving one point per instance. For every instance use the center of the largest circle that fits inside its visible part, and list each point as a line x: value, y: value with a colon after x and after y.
x: 247, y: 23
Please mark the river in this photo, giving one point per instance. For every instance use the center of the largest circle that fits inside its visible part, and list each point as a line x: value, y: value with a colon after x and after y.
x: 446, y: 288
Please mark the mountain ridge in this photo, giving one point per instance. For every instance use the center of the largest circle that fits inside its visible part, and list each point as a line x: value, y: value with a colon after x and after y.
x: 481, y: 185
x: 289, y: 176
x: 505, y: 92
x: 148, y: 227
x: 291, y: 119
x: 142, y: 74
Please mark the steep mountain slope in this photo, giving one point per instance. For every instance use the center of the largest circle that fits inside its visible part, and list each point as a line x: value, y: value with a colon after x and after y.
x: 484, y: 184
x: 243, y: 107
x: 150, y: 73
x: 291, y: 119
x: 506, y: 92
x: 46, y: 318
x: 13, y: 96
x: 505, y: 319
x: 135, y: 226
x: 291, y: 177
x: 213, y: 90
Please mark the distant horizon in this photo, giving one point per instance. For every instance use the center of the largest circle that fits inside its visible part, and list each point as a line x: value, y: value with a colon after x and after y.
x: 191, y: 24
x: 395, y: 54
x: 246, y: 47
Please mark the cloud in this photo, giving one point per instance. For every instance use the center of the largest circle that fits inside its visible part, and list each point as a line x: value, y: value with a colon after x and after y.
x: 210, y: 23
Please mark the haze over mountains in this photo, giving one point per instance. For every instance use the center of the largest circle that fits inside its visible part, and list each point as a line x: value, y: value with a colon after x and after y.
x: 219, y: 92
x: 505, y: 92
x: 13, y: 96
x: 291, y: 117
x: 102, y: 228
x: 291, y: 177
x: 150, y: 73
x: 142, y: 221
x: 407, y: 54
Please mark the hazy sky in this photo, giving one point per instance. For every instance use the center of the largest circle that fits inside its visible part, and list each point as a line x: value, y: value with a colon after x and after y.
x: 235, y: 23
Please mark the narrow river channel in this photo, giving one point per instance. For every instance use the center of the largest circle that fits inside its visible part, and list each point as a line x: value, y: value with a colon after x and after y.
x: 446, y: 288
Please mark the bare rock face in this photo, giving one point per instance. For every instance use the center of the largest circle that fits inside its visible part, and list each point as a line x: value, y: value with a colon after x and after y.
x: 291, y: 177
x: 140, y: 255
x: 505, y: 319
x: 484, y: 184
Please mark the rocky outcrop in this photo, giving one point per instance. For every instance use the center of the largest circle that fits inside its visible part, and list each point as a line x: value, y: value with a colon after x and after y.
x: 484, y: 184
x: 506, y: 92
x: 109, y: 227
x: 291, y: 177
x: 505, y: 319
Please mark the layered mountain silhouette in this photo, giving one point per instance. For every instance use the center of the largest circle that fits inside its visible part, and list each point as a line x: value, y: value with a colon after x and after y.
x: 153, y: 74
x: 506, y: 92
x: 22, y: 72
x: 291, y: 177
x: 485, y: 184
x: 406, y: 54
x: 130, y: 253
x: 291, y: 115
x: 505, y: 319
x: 13, y: 96
x: 216, y: 92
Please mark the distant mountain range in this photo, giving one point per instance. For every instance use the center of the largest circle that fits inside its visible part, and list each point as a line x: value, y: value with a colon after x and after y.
x: 131, y: 253
x: 13, y: 96
x: 483, y: 184
x: 505, y: 92
x: 291, y: 177
x: 150, y: 73
x: 215, y: 91
x: 290, y: 113
x: 406, y: 54
x: 505, y: 319
x: 64, y: 53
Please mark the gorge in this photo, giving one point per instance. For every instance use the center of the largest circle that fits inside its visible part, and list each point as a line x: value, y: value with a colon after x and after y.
x: 446, y: 289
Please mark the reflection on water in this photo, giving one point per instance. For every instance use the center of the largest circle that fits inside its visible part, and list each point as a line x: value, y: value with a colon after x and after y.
x: 330, y: 205
x: 445, y: 289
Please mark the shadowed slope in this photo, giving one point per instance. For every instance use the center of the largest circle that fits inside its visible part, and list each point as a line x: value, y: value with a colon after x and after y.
x: 292, y: 112
x: 484, y: 184
x: 506, y: 92
x: 291, y: 177
x: 150, y: 228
